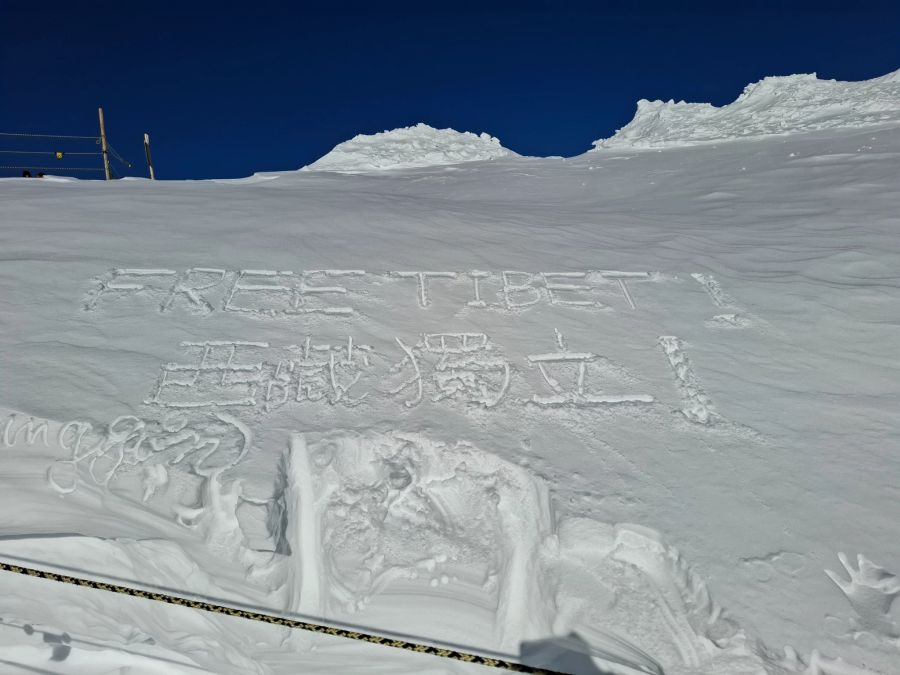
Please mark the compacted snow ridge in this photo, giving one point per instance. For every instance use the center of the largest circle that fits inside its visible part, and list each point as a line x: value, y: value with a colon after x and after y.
x: 632, y: 412
x: 772, y: 106
x: 408, y: 148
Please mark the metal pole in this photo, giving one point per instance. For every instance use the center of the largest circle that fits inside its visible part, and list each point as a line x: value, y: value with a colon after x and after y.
x: 104, y: 146
x: 149, y: 157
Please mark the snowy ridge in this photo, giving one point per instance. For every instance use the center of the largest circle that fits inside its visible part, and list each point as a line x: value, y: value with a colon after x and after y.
x: 772, y: 106
x: 408, y: 148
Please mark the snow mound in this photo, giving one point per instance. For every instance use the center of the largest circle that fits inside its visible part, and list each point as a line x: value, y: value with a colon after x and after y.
x: 409, y: 148
x: 772, y: 106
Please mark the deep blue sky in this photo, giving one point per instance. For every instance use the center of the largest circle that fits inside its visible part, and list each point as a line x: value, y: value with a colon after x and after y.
x: 226, y: 89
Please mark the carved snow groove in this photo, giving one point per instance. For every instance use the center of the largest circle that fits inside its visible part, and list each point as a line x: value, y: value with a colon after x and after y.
x: 558, y: 291
x: 621, y: 277
x: 520, y: 290
x: 713, y: 289
x: 871, y: 590
x: 191, y: 291
x: 476, y: 276
x: 325, y: 371
x: 730, y: 320
x: 698, y: 406
x: 253, y: 291
x: 306, y: 290
x: 455, y: 343
x: 463, y: 367
x: 99, y: 455
x: 211, y: 369
x: 270, y: 293
x: 579, y: 396
x: 511, y: 288
x: 416, y: 378
x: 524, y: 289
x: 467, y: 369
x: 29, y: 431
x: 338, y: 273
x: 294, y: 295
x: 268, y: 288
x: 109, y: 283
x: 422, y: 279
x: 313, y: 372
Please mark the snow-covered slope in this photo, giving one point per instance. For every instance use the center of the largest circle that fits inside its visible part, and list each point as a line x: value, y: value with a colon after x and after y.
x: 648, y: 398
x: 407, y: 148
x: 772, y: 106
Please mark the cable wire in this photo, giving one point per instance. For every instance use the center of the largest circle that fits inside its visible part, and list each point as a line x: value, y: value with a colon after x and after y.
x: 25, y: 135
x: 45, y: 152
x: 118, y: 156
x: 53, y: 168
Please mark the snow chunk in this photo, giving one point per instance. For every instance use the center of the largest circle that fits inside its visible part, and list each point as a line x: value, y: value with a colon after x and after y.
x: 772, y: 106
x: 408, y: 148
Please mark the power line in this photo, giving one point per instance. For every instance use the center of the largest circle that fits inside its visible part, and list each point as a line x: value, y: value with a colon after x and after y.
x: 44, y: 152
x: 53, y: 168
x: 25, y: 135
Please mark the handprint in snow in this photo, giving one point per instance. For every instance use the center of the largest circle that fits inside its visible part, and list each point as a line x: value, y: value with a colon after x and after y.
x: 871, y: 591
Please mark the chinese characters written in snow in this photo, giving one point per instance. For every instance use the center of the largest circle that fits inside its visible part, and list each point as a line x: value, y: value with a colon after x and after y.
x: 463, y: 367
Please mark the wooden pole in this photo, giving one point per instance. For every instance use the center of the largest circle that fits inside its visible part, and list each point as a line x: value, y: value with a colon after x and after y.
x: 104, y: 146
x: 149, y: 156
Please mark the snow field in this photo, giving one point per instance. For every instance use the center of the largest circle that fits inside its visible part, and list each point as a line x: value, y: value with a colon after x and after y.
x: 648, y: 398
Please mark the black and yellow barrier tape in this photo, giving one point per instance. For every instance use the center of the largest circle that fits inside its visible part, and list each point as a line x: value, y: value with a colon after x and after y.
x: 282, y: 621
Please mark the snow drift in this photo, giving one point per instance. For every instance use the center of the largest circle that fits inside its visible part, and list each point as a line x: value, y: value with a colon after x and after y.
x: 408, y: 148
x: 772, y: 106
